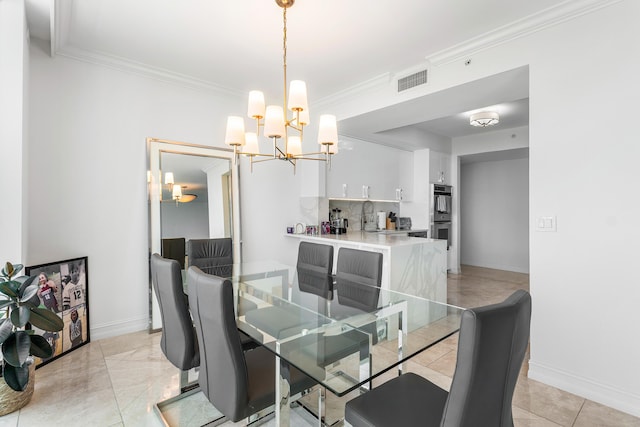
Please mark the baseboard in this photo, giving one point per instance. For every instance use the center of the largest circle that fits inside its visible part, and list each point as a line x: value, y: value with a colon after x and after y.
x: 589, y: 389
x: 112, y: 329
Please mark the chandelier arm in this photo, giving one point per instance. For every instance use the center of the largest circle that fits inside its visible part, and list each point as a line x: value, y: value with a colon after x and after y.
x: 303, y: 157
x: 279, y: 152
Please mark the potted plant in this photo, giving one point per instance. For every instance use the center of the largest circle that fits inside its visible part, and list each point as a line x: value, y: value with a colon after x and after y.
x: 20, y: 308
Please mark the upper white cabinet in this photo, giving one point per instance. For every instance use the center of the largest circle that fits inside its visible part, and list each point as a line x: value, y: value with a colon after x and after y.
x: 363, y: 170
x: 439, y: 165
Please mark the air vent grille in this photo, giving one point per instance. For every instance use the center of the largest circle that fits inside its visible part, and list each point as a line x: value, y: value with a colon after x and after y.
x: 413, y: 80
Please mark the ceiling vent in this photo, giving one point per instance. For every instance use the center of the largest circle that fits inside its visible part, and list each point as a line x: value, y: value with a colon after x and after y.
x: 413, y: 80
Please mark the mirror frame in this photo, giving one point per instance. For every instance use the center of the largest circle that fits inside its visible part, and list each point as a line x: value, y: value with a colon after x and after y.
x: 155, y: 147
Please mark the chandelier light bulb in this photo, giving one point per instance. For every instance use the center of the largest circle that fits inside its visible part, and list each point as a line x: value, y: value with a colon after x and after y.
x: 235, y: 131
x: 251, y: 144
x: 256, y: 104
x: 298, y: 96
x: 294, y: 146
x: 327, y: 130
x: 168, y: 178
x: 274, y: 126
x: 177, y: 192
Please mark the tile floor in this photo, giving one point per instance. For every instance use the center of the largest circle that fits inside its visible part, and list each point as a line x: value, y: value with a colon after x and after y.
x: 115, y: 381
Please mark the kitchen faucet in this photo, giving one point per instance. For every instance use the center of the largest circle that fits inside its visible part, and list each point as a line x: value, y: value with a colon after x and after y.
x: 363, y: 221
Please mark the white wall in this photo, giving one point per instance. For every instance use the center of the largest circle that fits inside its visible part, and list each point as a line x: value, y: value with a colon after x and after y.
x: 14, y: 69
x: 584, y: 282
x: 188, y: 220
x: 88, y: 127
x: 494, y: 214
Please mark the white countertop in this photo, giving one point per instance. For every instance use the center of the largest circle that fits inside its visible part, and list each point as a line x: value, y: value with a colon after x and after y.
x: 369, y: 238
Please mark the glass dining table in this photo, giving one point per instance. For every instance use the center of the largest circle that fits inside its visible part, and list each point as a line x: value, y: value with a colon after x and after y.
x: 341, y: 345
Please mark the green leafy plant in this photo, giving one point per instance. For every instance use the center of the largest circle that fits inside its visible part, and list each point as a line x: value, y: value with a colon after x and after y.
x: 21, y: 307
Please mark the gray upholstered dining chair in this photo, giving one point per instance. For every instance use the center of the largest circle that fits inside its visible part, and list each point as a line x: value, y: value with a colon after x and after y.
x: 239, y: 384
x: 314, y: 267
x: 205, y: 253
x: 178, y: 341
x: 356, y: 268
x: 492, y: 344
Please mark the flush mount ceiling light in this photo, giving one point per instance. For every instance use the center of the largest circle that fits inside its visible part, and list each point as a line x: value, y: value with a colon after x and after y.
x: 484, y: 119
x: 186, y: 198
x: 275, y: 123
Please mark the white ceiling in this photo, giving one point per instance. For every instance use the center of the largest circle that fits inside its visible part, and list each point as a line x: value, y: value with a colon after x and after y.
x: 236, y: 46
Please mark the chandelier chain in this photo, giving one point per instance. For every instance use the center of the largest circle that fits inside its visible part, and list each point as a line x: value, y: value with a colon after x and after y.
x: 284, y: 56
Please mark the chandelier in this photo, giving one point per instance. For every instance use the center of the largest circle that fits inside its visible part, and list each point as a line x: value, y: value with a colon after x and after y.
x: 276, y: 125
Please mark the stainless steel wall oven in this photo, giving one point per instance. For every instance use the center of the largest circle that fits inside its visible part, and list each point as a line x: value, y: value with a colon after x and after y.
x: 441, y: 208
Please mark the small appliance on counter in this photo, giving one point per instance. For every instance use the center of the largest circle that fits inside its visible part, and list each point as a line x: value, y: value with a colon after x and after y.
x: 338, y: 224
x: 403, y: 223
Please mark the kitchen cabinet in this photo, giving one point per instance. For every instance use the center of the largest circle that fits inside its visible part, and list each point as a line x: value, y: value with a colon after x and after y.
x: 439, y: 163
x: 364, y: 170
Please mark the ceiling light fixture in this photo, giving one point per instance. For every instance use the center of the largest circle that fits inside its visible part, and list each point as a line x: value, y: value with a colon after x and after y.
x: 186, y: 198
x: 484, y: 119
x: 275, y: 123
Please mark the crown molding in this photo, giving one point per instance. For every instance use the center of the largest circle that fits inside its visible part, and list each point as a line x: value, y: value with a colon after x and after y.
x: 155, y: 73
x: 375, y: 82
x: 61, y: 15
x: 565, y: 11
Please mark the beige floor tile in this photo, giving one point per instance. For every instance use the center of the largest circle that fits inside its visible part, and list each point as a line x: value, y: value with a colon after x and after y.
x: 522, y: 418
x: 547, y: 402
x: 594, y: 414
x: 9, y: 420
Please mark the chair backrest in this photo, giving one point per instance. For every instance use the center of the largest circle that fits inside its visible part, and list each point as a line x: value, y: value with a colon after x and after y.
x: 204, y: 253
x: 223, y: 374
x: 178, y: 341
x: 314, y: 267
x: 174, y: 249
x: 492, y: 344
x: 357, y: 268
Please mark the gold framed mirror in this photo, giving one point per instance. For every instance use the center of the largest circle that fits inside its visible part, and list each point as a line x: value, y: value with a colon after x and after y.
x: 193, y: 192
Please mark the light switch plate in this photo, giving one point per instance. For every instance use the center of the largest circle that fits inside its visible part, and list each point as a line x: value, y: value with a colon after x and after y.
x: 546, y: 223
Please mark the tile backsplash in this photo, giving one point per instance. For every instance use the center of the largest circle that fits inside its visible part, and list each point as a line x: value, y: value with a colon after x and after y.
x: 353, y: 210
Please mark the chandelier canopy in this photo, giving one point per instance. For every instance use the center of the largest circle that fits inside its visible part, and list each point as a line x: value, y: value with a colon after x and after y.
x: 276, y: 125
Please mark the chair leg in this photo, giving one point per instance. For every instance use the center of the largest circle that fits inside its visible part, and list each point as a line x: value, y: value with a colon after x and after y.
x: 185, y: 385
x: 186, y: 389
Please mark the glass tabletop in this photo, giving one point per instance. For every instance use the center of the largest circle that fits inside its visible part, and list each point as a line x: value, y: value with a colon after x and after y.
x: 331, y: 337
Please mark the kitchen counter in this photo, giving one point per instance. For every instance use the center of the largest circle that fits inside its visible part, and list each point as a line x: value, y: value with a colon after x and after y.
x: 374, y: 239
x: 414, y: 265
x: 399, y: 232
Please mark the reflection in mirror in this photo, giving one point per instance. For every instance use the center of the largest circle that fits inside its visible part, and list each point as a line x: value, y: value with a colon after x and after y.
x: 193, y: 194
x: 201, y: 209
